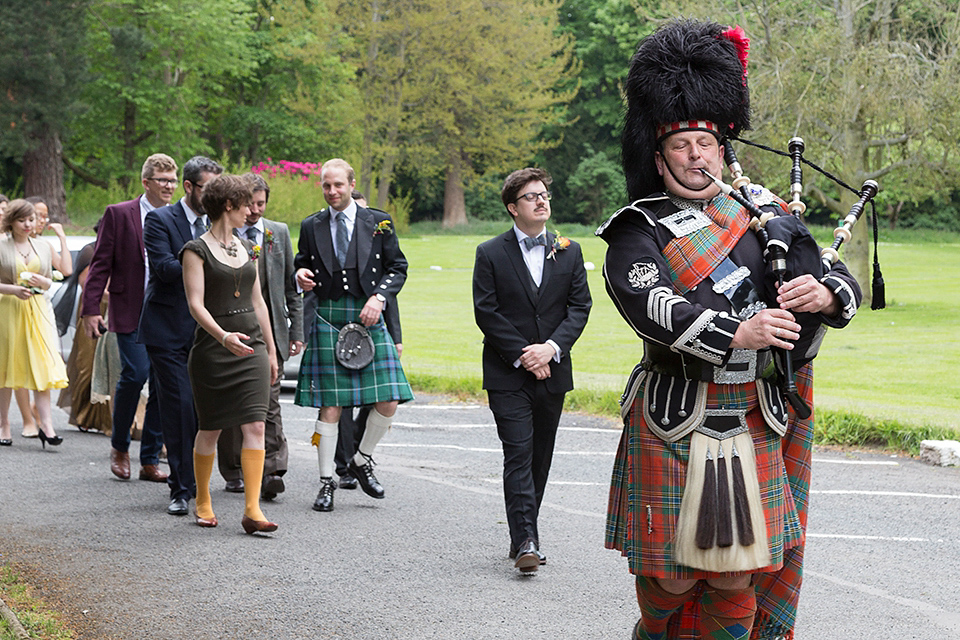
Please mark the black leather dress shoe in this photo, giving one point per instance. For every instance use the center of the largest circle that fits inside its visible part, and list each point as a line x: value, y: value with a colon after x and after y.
x: 178, y: 507
x: 234, y: 486
x: 272, y: 485
x: 513, y: 554
x: 527, y: 559
x: 324, y: 501
x: 364, y: 475
x: 348, y: 482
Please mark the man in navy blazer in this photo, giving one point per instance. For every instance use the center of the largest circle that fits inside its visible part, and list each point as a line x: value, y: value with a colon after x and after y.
x: 119, y: 265
x: 166, y: 326
x: 531, y: 301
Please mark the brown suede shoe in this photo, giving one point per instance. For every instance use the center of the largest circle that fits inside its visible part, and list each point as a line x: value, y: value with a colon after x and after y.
x: 152, y: 473
x: 120, y: 464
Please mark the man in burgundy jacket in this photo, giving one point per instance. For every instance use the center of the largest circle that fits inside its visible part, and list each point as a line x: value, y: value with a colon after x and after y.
x: 119, y: 265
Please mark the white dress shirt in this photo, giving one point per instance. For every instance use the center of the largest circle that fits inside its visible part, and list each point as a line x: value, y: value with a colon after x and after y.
x: 534, y: 258
x: 145, y: 208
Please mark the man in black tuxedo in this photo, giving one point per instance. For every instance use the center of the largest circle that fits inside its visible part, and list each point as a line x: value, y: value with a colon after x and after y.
x: 531, y: 301
x: 166, y: 326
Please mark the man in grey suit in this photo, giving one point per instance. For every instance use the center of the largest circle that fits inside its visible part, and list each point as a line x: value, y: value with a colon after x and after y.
x: 286, y: 320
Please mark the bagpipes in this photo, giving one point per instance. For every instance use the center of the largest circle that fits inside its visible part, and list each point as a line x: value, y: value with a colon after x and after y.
x: 790, y: 250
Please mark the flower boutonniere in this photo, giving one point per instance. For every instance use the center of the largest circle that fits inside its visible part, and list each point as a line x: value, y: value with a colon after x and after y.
x: 268, y: 239
x: 559, y: 244
x: 383, y: 228
x: 254, y: 252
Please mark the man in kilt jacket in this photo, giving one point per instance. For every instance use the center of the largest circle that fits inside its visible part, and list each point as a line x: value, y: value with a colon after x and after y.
x: 349, y: 259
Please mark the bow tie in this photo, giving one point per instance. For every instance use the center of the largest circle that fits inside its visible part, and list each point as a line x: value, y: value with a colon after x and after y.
x: 530, y: 243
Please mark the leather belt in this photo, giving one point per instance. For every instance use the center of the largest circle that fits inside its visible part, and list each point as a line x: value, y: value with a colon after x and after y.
x: 743, y: 366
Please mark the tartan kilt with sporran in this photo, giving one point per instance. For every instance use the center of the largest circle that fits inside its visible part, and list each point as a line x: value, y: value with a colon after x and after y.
x: 324, y: 382
x: 647, y: 488
x: 648, y: 471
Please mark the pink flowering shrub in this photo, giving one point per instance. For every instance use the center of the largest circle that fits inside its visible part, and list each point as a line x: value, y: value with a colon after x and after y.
x: 288, y: 169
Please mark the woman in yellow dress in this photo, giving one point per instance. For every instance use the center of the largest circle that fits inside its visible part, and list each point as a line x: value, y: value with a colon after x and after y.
x: 29, y: 358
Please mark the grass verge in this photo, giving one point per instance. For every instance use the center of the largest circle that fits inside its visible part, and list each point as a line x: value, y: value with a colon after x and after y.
x: 842, y: 428
x: 846, y: 428
x: 36, y: 617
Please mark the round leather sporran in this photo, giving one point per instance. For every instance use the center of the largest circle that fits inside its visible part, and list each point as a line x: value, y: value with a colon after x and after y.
x: 355, y: 347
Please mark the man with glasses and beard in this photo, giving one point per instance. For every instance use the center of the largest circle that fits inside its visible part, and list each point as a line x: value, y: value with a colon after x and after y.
x: 167, y: 328
x: 119, y: 258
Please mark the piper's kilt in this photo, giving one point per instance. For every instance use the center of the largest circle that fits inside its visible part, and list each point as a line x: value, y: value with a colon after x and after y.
x: 648, y: 484
x: 324, y: 382
x: 778, y: 591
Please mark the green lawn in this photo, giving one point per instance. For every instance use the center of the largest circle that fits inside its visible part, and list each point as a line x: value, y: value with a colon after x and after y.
x: 899, y: 363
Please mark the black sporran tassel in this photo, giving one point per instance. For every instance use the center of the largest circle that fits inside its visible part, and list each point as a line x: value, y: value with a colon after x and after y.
x: 878, y: 291
x: 744, y: 526
x: 707, y: 515
x: 724, y: 519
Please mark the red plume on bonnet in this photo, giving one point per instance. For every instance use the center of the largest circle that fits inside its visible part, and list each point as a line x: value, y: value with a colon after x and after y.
x: 742, y: 43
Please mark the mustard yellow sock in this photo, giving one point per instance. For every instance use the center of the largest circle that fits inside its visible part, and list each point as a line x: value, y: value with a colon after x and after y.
x: 251, y: 464
x: 202, y: 470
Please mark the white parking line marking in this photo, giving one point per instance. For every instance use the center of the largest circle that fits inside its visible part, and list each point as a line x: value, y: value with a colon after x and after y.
x: 842, y: 536
x: 888, y: 463
x: 430, y: 407
x: 897, y: 494
x: 483, y: 450
x: 493, y: 425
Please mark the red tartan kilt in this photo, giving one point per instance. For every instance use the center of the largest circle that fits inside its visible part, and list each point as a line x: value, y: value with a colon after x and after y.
x: 643, y: 511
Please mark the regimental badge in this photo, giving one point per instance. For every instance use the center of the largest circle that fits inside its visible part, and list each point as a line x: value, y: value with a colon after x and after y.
x: 643, y: 275
x: 760, y: 194
x: 683, y: 223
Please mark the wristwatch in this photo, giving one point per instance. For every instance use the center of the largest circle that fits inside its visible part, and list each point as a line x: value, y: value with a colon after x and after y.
x: 381, y: 298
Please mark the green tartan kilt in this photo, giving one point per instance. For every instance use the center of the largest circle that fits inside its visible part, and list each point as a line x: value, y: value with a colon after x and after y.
x: 324, y: 382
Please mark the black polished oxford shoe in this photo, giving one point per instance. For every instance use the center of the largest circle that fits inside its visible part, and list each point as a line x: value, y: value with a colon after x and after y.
x: 178, y: 507
x: 527, y: 559
x: 513, y: 554
x: 324, y: 501
x: 272, y: 485
x: 364, y: 475
x: 348, y: 482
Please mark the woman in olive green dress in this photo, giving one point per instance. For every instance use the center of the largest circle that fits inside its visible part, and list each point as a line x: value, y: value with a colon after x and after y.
x: 231, y: 366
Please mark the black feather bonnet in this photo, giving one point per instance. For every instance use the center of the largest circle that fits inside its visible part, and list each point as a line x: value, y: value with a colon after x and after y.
x: 687, y: 75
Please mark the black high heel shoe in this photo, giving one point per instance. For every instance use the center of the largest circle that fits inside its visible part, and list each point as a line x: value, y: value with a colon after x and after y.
x: 44, y: 439
x: 6, y: 443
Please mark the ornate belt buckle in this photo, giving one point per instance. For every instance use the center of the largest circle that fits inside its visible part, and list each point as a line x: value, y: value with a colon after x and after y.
x: 741, y: 368
x: 721, y: 424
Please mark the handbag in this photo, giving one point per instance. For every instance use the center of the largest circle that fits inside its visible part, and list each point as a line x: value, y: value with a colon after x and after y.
x: 355, y: 347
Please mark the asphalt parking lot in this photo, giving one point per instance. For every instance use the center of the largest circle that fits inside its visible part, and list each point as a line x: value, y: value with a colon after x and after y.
x: 430, y: 560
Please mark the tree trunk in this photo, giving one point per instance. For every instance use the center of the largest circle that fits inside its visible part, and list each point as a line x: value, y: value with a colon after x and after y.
x: 856, y: 252
x: 454, y: 205
x: 129, y: 146
x: 43, y: 174
x: 385, y: 179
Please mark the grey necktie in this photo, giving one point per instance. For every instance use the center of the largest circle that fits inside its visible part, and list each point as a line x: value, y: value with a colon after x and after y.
x: 343, y: 238
x: 198, y: 227
x: 252, y: 234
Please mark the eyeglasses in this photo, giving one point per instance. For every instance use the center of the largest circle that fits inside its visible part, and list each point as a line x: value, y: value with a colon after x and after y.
x: 532, y: 197
x: 164, y: 182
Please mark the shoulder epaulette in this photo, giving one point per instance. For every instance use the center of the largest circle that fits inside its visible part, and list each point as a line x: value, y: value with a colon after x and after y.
x: 636, y: 207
